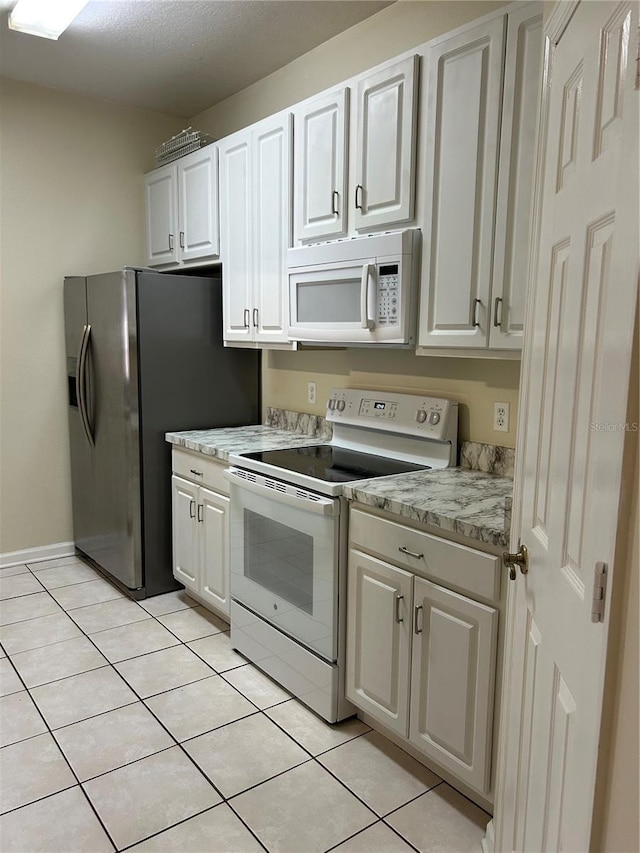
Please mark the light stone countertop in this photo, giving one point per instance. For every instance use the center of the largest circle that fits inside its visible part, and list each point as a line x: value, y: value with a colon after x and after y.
x: 219, y: 443
x: 469, y: 503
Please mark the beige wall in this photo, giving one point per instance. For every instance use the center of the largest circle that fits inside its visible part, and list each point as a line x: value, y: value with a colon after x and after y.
x: 476, y: 384
x: 71, y: 202
x: 395, y: 29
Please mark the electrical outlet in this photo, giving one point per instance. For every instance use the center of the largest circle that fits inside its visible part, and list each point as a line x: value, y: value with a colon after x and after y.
x: 501, y: 417
x: 312, y: 393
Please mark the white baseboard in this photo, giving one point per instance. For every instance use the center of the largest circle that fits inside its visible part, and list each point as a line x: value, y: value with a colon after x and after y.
x: 489, y: 840
x: 37, y: 555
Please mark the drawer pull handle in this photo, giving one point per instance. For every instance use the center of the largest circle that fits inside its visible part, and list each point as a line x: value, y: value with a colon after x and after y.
x: 192, y: 507
x: 196, y: 473
x: 416, y: 619
x: 399, y: 598
x: 409, y: 553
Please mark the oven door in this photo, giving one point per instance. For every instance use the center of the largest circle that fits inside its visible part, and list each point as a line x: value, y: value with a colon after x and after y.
x: 284, y: 555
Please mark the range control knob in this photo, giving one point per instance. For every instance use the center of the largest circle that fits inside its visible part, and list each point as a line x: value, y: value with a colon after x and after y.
x: 434, y: 418
x: 340, y: 405
x: 421, y: 416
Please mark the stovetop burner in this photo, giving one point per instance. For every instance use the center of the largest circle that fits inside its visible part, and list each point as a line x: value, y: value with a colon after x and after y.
x: 333, y: 464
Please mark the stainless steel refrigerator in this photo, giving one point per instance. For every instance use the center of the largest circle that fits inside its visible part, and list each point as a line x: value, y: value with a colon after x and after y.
x: 144, y: 357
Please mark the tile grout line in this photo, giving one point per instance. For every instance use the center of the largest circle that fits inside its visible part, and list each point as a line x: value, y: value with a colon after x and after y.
x: 221, y: 674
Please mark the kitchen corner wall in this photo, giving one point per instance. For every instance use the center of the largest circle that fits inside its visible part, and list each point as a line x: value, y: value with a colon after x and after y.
x: 475, y: 383
x: 72, y: 203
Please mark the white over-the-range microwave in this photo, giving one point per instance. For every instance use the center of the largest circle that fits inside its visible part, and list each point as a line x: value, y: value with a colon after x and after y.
x: 357, y: 291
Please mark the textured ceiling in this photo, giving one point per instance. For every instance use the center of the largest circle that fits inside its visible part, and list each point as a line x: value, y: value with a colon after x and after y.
x: 175, y: 56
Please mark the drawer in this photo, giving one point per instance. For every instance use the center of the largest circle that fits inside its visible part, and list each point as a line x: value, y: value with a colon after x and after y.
x: 454, y: 565
x: 200, y: 469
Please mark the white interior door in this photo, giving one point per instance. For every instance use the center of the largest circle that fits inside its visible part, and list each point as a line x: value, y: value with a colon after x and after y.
x: 573, y: 406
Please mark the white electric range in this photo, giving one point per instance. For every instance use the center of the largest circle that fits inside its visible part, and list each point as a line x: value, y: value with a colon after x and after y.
x: 289, y: 534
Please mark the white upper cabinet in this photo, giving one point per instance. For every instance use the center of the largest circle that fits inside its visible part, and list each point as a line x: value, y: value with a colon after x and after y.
x: 181, y: 202
x: 363, y: 180
x: 235, y: 235
x: 198, y: 236
x: 385, y: 146
x: 480, y: 134
x: 255, y: 228
x: 161, y: 205
x: 515, y: 181
x: 320, y: 167
x: 464, y: 79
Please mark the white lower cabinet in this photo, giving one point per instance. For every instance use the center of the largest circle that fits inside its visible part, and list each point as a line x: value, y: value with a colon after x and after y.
x: 421, y: 658
x: 201, y: 534
x: 379, y: 639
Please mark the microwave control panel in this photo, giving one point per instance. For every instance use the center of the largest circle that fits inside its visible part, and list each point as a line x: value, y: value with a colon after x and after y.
x: 388, y: 277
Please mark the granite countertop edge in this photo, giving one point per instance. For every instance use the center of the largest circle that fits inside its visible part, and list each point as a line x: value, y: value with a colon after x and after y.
x: 472, y: 504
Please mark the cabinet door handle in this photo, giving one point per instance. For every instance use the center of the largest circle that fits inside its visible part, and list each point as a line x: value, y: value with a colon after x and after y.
x: 399, y: 598
x: 171, y: 242
x: 182, y: 239
x: 246, y: 318
x: 335, y: 198
x: 497, y: 304
x: 192, y: 507
x: 196, y: 473
x: 416, y: 619
x: 409, y: 553
x: 475, y: 321
x: 200, y: 512
x: 359, y: 191
x: 255, y: 318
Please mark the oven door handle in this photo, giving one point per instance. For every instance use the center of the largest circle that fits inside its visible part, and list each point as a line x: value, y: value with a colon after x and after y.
x: 318, y: 505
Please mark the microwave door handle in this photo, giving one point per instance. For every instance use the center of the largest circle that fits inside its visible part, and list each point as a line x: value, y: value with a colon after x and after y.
x: 365, y: 321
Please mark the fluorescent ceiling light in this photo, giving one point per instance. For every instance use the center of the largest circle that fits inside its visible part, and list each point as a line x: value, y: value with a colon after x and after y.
x: 46, y: 18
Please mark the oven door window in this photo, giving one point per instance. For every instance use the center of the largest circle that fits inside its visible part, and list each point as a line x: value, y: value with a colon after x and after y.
x: 284, y: 566
x: 279, y: 559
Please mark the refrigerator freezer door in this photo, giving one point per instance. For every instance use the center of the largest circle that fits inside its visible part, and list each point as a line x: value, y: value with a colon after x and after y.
x: 113, y: 415
x: 81, y: 454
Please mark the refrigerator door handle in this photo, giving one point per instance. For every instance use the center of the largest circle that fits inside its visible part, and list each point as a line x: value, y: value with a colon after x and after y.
x: 82, y: 384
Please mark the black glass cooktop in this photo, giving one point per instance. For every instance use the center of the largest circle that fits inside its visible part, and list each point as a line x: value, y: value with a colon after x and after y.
x: 333, y: 464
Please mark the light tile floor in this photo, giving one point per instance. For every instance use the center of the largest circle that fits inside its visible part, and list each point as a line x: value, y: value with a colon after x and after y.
x: 136, y: 726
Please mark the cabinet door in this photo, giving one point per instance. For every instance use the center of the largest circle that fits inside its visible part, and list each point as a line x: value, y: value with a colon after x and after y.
x: 198, y: 207
x: 161, y: 208
x: 385, y: 146
x: 213, y: 523
x: 320, y: 175
x: 452, y: 681
x: 379, y: 639
x: 515, y: 178
x: 235, y: 235
x: 464, y: 78
x: 186, y: 558
x: 271, y: 201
